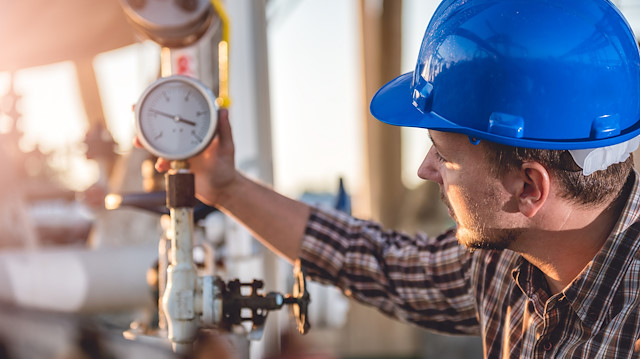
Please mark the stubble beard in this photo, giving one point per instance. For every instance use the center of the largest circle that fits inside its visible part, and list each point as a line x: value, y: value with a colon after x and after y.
x: 476, y: 236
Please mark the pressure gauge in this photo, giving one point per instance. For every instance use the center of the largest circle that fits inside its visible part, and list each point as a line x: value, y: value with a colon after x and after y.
x: 176, y: 117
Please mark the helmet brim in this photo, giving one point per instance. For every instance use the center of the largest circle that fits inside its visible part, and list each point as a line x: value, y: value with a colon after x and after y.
x: 393, y: 105
x: 397, y: 91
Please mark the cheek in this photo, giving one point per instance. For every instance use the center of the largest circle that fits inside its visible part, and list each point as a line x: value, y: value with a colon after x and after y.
x: 457, y: 201
x: 469, y: 195
x: 452, y: 183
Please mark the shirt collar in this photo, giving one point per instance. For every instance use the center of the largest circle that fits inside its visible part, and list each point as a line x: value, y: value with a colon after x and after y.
x: 592, y: 292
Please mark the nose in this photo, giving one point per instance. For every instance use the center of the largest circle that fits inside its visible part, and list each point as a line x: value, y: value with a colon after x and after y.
x: 429, y: 169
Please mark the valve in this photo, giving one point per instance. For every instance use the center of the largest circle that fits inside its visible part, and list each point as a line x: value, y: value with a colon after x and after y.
x: 230, y: 300
x: 300, y: 299
x: 154, y: 202
x: 191, y: 301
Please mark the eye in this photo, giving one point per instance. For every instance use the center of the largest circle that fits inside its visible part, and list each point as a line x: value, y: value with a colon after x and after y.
x: 439, y: 157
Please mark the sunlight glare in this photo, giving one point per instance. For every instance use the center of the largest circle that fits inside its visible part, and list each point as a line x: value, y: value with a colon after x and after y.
x: 53, y: 121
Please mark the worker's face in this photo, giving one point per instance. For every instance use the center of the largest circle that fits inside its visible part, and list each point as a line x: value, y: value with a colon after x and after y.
x: 476, y: 199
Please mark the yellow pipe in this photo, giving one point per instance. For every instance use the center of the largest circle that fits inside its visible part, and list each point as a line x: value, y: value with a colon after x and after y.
x: 223, y: 99
x: 165, y: 62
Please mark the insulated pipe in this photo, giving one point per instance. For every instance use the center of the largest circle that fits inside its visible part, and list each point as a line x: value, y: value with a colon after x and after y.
x: 77, y: 280
x: 178, y: 300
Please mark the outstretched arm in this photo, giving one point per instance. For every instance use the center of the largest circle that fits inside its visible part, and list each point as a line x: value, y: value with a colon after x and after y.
x: 277, y: 221
x: 422, y: 280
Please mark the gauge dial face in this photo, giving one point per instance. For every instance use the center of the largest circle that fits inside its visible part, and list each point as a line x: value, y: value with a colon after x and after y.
x: 176, y: 117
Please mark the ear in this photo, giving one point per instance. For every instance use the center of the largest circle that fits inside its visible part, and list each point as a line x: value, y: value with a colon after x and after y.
x: 534, y: 188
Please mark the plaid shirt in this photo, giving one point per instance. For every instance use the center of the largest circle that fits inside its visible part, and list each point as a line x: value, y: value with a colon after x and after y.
x: 437, y: 283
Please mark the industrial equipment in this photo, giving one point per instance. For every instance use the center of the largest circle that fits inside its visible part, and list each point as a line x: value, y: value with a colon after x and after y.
x: 176, y: 119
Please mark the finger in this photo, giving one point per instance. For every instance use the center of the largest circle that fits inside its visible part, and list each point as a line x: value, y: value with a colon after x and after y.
x: 224, y: 128
x: 163, y: 165
x: 136, y: 142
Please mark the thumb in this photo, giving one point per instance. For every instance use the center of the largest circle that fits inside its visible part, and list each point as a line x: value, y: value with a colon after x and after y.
x: 224, y: 128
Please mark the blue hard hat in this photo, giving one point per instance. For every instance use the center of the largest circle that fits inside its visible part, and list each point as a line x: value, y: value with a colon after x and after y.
x: 548, y: 74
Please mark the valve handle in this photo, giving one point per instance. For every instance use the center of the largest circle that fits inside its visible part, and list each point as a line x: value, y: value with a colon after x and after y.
x: 302, y: 299
x: 234, y: 301
x: 154, y: 202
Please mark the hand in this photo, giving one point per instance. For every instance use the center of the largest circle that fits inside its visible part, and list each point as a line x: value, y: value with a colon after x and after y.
x: 214, y: 168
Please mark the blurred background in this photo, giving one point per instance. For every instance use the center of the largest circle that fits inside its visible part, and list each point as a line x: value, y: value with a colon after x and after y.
x: 302, y: 74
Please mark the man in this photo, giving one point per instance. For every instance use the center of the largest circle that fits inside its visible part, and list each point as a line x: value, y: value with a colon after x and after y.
x: 533, y: 107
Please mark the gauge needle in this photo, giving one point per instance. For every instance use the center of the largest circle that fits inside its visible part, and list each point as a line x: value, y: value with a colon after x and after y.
x: 175, y: 118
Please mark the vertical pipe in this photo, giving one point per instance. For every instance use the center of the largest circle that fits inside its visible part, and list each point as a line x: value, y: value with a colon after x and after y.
x: 381, y: 50
x: 179, y: 297
x: 165, y: 62
x: 178, y: 300
x: 163, y: 265
x: 90, y: 92
x: 250, y: 114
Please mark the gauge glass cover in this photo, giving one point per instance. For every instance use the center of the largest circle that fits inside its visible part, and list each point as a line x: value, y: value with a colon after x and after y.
x: 176, y: 117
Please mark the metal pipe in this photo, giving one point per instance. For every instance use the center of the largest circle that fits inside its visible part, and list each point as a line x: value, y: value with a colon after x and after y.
x: 78, y: 280
x: 178, y: 300
x: 179, y: 297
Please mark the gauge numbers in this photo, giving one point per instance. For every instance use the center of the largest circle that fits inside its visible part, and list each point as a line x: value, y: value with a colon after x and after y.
x: 176, y: 117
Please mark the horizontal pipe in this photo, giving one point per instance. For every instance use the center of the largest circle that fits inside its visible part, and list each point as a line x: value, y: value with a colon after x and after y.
x: 78, y: 280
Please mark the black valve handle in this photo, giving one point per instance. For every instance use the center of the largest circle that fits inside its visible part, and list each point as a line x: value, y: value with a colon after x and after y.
x: 155, y: 202
x: 300, y: 299
x: 260, y: 304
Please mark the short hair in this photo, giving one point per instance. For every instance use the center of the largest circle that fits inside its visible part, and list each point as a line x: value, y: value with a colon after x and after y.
x: 594, y: 189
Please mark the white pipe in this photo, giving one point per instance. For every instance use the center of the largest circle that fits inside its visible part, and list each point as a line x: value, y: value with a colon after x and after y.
x: 178, y: 301
x: 77, y: 279
x: 250, y: 111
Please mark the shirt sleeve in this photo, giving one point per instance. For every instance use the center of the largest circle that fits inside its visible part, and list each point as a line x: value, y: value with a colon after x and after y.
x: 420, y: 279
